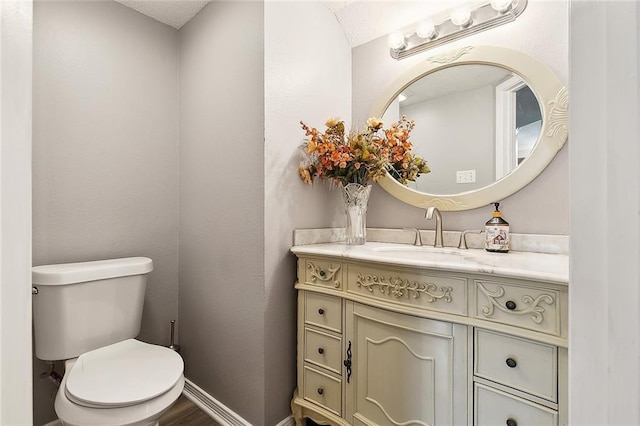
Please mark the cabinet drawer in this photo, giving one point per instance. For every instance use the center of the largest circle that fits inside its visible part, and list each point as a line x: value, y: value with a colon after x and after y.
x: 520, y: 305
x: 323, y: 349
x: 419, y: 290
x: 323, y: 311
x: 518, y: 363
x: 324, y: 273
x: 323, y: 390
x: 493, y: 407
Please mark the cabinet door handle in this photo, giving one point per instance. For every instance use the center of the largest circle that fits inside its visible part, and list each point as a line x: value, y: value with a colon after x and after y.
x: 320, y: 391
x: 321, y: 311
x: 512, y: 422
x: 320, y: 351
x: 347, y: 362
x: 511, y: 305
x: 511, y: 363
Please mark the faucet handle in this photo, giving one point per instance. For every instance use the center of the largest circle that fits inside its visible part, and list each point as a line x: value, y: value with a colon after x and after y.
x: 418, y: 240
x: 463, y: 238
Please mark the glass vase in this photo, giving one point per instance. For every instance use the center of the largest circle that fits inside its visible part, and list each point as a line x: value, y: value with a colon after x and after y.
x: 356, y: 197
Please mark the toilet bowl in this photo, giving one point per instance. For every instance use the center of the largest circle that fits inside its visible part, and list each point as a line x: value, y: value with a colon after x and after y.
x: 88, y: 314
x: 129, y: 383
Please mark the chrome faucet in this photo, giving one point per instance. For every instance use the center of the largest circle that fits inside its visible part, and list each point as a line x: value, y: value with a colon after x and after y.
x: 438, y: 240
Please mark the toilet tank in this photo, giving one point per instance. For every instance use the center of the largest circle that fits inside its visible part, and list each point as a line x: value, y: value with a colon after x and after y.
x: 83, y: 306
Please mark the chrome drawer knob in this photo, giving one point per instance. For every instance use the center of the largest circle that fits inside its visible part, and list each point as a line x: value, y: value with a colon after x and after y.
x: 511, y: 363
x: 512, y: 422
x: 320, y: 391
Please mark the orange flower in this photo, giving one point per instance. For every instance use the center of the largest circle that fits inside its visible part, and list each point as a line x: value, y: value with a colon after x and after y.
x: 362, y: 157
x: 332, y: 122
x: 305, y: 175
x: 311, y: 146
x: 375, y: 123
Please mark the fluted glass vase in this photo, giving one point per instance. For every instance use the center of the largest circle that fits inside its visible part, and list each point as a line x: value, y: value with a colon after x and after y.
x: 356, y: 197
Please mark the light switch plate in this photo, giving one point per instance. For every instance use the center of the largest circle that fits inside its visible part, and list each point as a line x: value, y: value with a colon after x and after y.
x: 465, y: 176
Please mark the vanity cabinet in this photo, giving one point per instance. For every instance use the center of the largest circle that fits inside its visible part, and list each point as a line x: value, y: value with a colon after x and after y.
x: 397, y: 344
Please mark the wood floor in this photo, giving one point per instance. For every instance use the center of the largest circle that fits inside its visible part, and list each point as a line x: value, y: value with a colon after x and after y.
x: 186, y: 413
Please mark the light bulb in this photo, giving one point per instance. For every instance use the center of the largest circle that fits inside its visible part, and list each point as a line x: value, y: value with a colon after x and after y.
x: 397, y: 41
x: 501, y: 6
x: 426, y: 29
x: 461, y: 17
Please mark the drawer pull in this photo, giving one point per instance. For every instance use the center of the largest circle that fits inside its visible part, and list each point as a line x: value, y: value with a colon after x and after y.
x: 322, y: 273
x: 321, y: 311
x: 511, y: 363
x: 321, y: 391
x: 511, y: 305
x: 320, y: 351
x: 512, y: 422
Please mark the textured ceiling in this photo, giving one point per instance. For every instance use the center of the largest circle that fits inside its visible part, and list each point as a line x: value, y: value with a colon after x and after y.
x: 362, y: 20
x: 171, y: 12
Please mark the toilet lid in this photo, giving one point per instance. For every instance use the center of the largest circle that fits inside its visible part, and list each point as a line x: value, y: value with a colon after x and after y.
x: 122, y: 374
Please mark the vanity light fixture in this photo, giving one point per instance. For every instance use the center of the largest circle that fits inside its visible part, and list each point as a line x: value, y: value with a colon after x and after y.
x: 461, y: 16
x: 501, y: 5
x: 426, y: 29
x: 397, y: 41
x: 453, y: 25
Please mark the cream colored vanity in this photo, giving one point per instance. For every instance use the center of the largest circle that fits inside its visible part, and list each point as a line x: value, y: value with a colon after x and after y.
x: 392, y: 334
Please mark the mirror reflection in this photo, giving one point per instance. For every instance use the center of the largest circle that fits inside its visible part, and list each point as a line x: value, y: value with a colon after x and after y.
x: 474, y: 125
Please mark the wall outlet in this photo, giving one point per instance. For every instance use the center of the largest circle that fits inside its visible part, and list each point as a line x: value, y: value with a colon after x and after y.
x: 465, y: 176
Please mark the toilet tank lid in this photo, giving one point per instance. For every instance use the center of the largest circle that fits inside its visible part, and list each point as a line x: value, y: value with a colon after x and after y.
x: 71, y: 273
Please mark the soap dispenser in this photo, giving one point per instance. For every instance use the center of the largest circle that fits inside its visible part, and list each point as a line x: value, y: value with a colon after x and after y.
x: 496, y: 232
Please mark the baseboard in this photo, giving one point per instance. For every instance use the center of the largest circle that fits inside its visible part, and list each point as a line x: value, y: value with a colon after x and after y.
x: 217, y: 410
x: 214, y: 408
x: 289, y: 421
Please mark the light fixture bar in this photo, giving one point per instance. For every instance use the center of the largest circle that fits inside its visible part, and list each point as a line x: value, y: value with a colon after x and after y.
x: 482, y: 18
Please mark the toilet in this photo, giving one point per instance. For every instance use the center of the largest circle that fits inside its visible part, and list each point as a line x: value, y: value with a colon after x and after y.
x: 88, y: 315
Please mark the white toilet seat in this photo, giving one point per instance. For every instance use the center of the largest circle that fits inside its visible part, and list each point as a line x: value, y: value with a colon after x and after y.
x: 125, y: 373
x: 137, y: 414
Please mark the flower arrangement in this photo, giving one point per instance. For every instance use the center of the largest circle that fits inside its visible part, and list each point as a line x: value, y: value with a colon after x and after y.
x: 360, y: 157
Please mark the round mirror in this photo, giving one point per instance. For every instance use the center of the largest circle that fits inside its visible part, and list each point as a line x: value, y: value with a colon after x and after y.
x: 488, y: 121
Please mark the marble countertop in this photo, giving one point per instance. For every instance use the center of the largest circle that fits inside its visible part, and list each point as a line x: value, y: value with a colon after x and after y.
x: 516, y: 264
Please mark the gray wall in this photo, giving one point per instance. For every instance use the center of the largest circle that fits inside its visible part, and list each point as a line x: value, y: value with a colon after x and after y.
x: 222, y: 204
x: 105, y: 150
x: 240, y: 194
x: 543, y: 206
x: 295, y: 89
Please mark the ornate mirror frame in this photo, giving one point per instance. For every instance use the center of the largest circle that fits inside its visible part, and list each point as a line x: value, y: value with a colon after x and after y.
x: 553, y: 99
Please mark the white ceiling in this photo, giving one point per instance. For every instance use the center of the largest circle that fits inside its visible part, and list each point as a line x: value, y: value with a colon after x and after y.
x: 366, y: 20
x: 362, y: 20
x: 175, y: 13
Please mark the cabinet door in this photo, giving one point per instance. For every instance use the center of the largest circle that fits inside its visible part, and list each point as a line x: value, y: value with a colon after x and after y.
x: 405, y: 370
